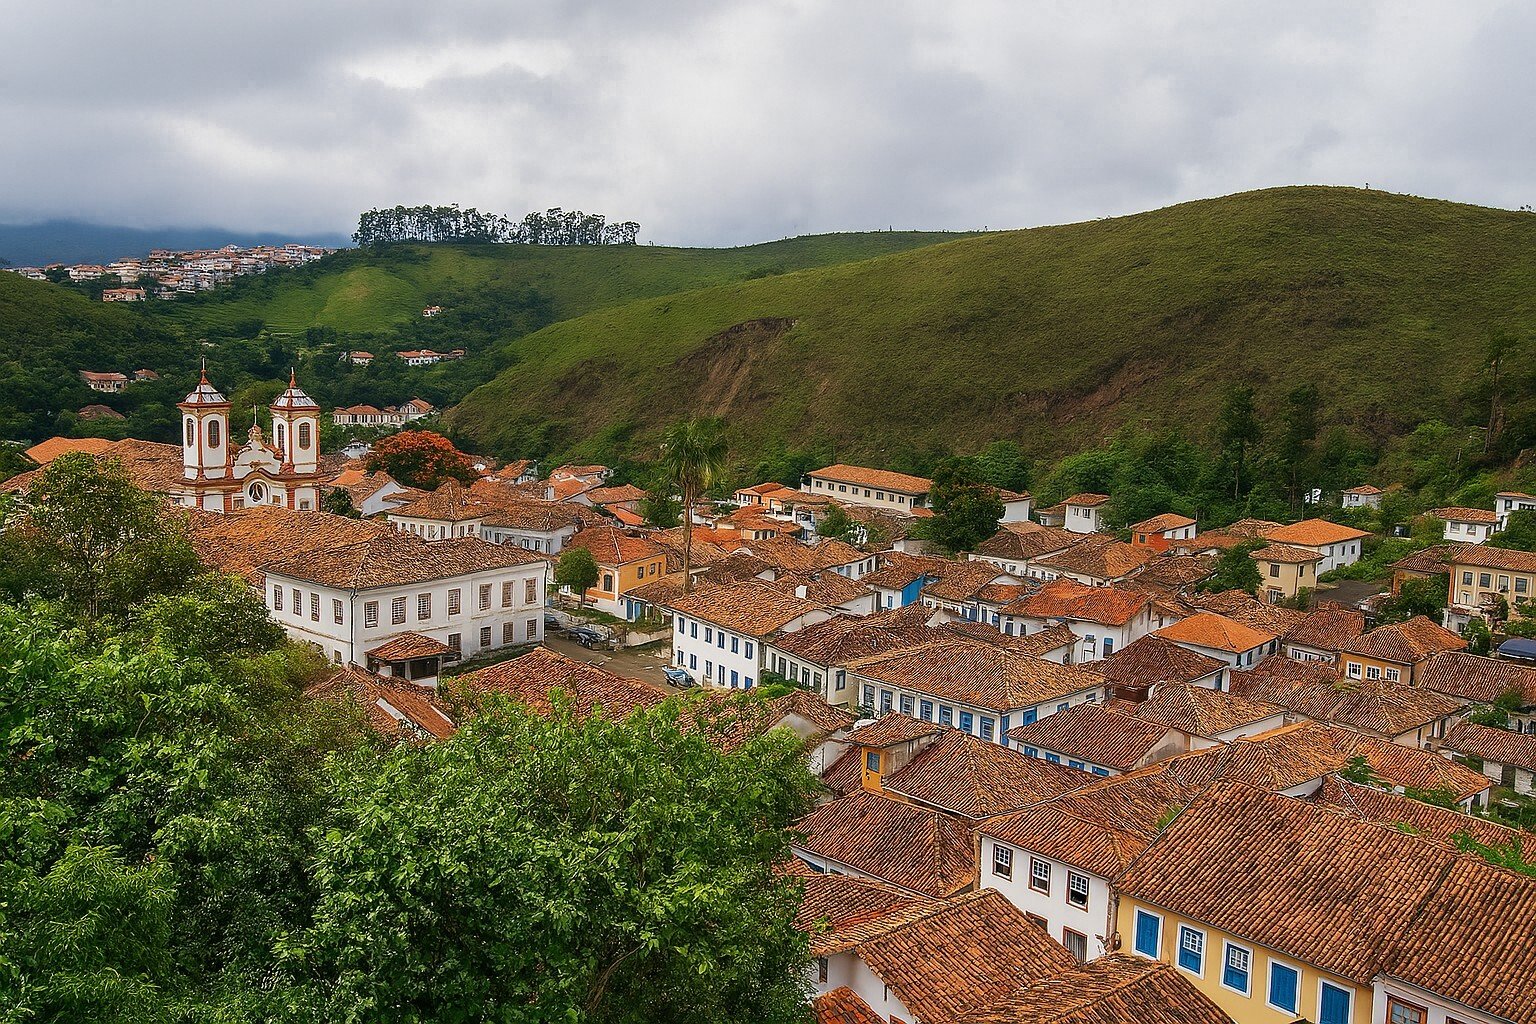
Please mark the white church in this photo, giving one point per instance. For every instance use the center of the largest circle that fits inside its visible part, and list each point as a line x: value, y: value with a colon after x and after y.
x: 218, y: 478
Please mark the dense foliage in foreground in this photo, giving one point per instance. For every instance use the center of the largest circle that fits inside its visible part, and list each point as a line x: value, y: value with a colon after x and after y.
x: 185, y: 837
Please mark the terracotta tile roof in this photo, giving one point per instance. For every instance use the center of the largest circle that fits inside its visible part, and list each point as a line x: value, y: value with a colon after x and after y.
x: 839, y: 911
x: 1253, y: 529
x: 846, y: 772
x: 1407, y: 643
x: 1069, y: 599
x: 394, y: 558
x: 1215, y: 632
x: 530, y: 678
x: 825, y: 588
x: 1004, y: 593
x: 1475, y: 678
x: 1330, y: 627
x: 1486, y: 556
x: 962, y: 955
x: 1311, y: 533
x: 612, y: 546
x: 843, y: 1006
x: 1363, y: 489
x: 1114, y: 989
x: 1426, y: 821
x: 749, y: 607
x: 793, y: 556
x: 1248, y: 610
x: 876, y: 478
x: 1101, y: 827
x: 536, y: 515
x: 1153, y: 659
x: 1162, y: 523
x: 963, y: 582
x: 246, y: 541
x: 1095, y: 734
x: 407, y: 645
x: 1319, y: 692
x: 1202, y: 711
x: 392, y: 708
x: 1286, y: 554
x: 921, y: 850
x: 1471, y: 941
x: 977, y: 778
x: 731, y: 718
x: 611, y: 495
x: 1102, y: 559
x: 1433, y: 559
x: 1025, y: 541
x: 1306, y: 751
x: 1313, y: 885
x: 449, y: 503
x: 1500, y: 746
x: 897, y: 570
x: 893, y: 728
x: 45, y: 452
x: 845, y: 638
x: 1174, y: 573
x: 1038, y: 645
x: 1460, y: 514
x: 1087, y: 499
x: 978, y: 674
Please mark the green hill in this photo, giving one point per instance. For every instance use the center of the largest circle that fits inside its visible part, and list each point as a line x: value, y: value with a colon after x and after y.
x: 358, y: 291
x: 1052, y: 336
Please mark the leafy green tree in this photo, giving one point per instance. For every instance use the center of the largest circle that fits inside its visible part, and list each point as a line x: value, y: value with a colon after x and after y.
x: 661, y: 510
x: 835, y: 525
x: 1239, y: 430
x: 1416, y: 597
x: 597, y: 870
x: 577, y: 570
x: 1500, y: 345
x: 90, y: 538
x: 1003, y: 464
x: 1479, y: 638
x: 1300, y: 433
x: 338, y: 502
x: 1519, y: 533
x: 965, y: 510
x: 693, y: 460
x: 1359, y: 771
x: 1235, y: 570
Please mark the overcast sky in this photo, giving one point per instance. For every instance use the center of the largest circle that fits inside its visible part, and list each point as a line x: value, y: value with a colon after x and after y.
x: 717, y: 122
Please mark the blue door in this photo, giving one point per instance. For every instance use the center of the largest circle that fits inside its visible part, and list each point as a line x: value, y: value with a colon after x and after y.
x: 1335, y: 1005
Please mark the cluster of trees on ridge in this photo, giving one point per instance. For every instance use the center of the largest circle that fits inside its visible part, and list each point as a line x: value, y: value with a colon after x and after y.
x: 187, y: 838
x: 452, y: 224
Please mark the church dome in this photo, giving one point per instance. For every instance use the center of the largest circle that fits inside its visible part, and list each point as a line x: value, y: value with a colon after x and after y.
x: 204, y: 394
x: 294, y: 398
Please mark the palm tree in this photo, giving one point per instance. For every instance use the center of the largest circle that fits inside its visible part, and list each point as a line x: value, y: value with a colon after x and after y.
x: 693, y: 461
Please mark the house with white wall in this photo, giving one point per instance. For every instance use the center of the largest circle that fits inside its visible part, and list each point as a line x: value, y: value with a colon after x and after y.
x: 1224, y: 639
x: 1339, y: 545
x: 720, y: 633
x: 1364, y: 496
x: 1105, y: 619
x: 1466, y: 525
x: 1506, y: 502
x: 874, y: 488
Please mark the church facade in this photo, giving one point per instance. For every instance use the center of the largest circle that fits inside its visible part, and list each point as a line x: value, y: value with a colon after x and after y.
x: 217, y: 477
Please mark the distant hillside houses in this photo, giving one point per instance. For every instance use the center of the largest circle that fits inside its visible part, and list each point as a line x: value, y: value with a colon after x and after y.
x: 389, y: 416
x: 427, y: 357
x: 176, y: 273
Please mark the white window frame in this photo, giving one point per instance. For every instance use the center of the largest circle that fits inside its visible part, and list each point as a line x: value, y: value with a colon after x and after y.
x: 1226, y: 951
x: 1157, y: 953
x: 1347, y: 989
x: 1000, y: 854
x: 1189, y: 929
x: 1048, y: 872
x: 1087, y: 889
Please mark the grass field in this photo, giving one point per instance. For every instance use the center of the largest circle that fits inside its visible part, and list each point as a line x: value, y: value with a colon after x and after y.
x: 1053, y: 336
x: 358, y: 292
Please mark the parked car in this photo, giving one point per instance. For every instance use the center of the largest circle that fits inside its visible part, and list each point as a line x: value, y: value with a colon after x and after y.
x: 588, y: 638
x: 552, y: 622
x: 679, y: 678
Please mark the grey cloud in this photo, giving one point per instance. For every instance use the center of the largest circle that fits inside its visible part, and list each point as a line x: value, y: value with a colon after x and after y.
x: 730, y: 122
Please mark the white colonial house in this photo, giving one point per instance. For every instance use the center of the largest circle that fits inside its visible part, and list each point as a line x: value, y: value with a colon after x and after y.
x: 1467, y: 525
x: 467, y: 595
x: 1224, y: 639
x: 1364, y: 496
x: 1339, y: 545
x: 873, y: 488
x: 719, y: 634
x: 1104, y: 619
x: 1506, y: 502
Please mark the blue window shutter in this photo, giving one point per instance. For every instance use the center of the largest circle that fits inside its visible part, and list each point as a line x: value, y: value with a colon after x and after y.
x: 1282, y: 987
x: 1335, y: 1008
x: 1147, y: 928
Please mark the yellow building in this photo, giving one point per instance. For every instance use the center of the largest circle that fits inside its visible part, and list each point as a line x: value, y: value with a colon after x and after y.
x: 625, y: 562
x: 1286, y: 571
x: 1394, y: 653
x: 1274, y: 907
x: 1481, y: 575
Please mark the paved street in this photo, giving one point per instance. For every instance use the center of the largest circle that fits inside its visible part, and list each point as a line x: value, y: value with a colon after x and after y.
x: 646, y: 665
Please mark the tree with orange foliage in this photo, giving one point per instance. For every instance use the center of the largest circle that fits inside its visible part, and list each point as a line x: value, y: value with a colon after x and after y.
x: 420, y: 458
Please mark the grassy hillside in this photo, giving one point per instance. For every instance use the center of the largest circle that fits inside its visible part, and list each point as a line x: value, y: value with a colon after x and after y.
x: 48, y: 334
x: 1053, y: 336
x: 363, y: 291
